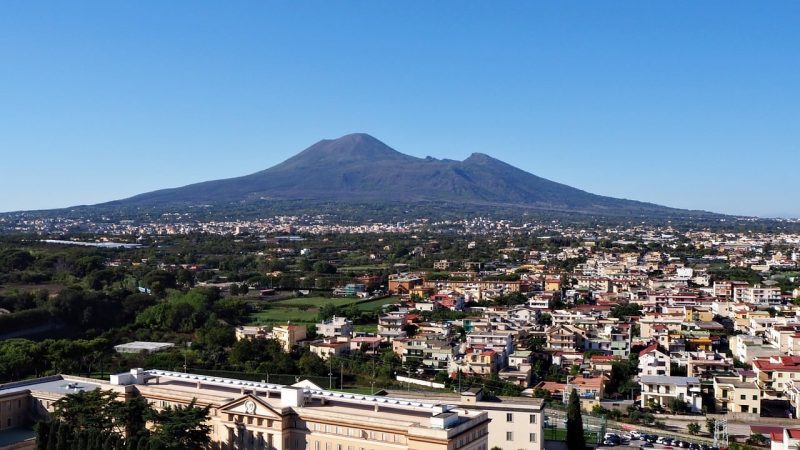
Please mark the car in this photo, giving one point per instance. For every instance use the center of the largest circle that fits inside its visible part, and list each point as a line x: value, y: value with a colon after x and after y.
x: 609, y: 443
x: 635, y: 435
x: 651, y: 438
x: 683, y: 444
x: 694, y: 446
x: 646, y: 444
x: 669, y: 441
x: 704, y: 447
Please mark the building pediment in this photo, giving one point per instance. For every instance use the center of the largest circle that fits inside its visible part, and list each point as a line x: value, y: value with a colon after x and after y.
x: 250, y: 405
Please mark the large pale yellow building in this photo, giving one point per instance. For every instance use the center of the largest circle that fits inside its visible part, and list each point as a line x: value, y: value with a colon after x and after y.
x: 262, y: 416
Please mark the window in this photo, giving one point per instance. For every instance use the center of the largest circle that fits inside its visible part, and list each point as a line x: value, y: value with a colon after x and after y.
x: 532, y: 438
x: 533, y: 418
x: 743, y: 397
x: 509, y: 417
x: 509, y: 436
x: 755, y: 397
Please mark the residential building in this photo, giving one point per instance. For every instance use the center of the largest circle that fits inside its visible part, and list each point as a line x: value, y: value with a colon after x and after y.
x: 737, y: 394
x: 772, y: 374
x: 662, y: 389
x: 289, y: 335
x: 335, y: 327
x: 653, y: 362
x: 330, y: 347
x: 707, y: 365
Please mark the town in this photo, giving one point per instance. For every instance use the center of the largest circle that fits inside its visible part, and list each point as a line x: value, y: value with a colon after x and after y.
x: 692, y: 334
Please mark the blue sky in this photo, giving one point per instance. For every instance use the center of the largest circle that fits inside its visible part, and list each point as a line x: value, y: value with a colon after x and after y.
x: 688, y: 104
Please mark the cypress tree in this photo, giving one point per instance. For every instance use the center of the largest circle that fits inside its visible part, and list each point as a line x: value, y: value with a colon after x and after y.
x: 144, y: 444
x: 63, y: 437
x: 575, y: 438
x: 132, y: 443
x: 43, y: 432
x: 52, y: 440
x: 81, y: 442
x: 109, y: 443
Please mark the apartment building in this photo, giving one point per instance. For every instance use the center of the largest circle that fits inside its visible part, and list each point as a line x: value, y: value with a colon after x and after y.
x: 289, y: 335
x: 773, y: 374
x: 747, y: 348
x: 565, y: 338
x: 502, y: 342
x: 706, y: 365
x: 662, y: 389
x: 653, y: 362
x: 335, y: 327
x: 757, y: 295
x: 430, y: 352
x: 737, y: 394
x: 390, y: 326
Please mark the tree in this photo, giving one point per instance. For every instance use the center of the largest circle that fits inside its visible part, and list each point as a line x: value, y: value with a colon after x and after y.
x: 44, y: 432
x: 323, y: 267
x: 693, y: 428
x: 677, y: 405
x: 130, y: 416
x: 86, y: 410
x: 182, y: 427
x: 757, y: 439
x: 575, y: 438
x: 710, y: 425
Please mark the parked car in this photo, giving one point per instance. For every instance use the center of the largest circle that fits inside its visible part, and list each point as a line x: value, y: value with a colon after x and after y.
x: 635, y: 435
x: 646, y: 444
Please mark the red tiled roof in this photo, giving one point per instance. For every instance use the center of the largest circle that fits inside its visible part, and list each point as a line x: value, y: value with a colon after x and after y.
x: 649, y: 349
x: 793, y: 433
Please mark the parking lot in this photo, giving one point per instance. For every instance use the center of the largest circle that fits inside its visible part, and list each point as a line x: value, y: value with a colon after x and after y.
x: 614, y: 438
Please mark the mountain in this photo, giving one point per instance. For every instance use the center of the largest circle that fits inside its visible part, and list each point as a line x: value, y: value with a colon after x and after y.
x: 357, y: 168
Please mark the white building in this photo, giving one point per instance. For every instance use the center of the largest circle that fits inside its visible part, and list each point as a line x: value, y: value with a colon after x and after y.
x: 662, y: 389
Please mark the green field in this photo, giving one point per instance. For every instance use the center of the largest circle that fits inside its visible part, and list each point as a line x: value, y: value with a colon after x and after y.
x: 283, y: 315
x: 314, y: 301
x: 377, y: 304
x: 366, y: 328
x: 363, y: 268
x: 306, y: 309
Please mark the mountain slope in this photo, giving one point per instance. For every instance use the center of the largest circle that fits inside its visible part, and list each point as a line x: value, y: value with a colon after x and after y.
x: 360, y: 168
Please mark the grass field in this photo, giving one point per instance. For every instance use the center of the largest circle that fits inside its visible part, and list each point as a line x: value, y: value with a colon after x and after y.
x: 363, y: 268
x: 377, y: 304
x: 306, y: 309
x: 313, y: 301
x: 366, y: 328
x: 283, y: 315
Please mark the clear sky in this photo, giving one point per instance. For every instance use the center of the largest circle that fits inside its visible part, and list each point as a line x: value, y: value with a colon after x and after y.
x: 687, y: 104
